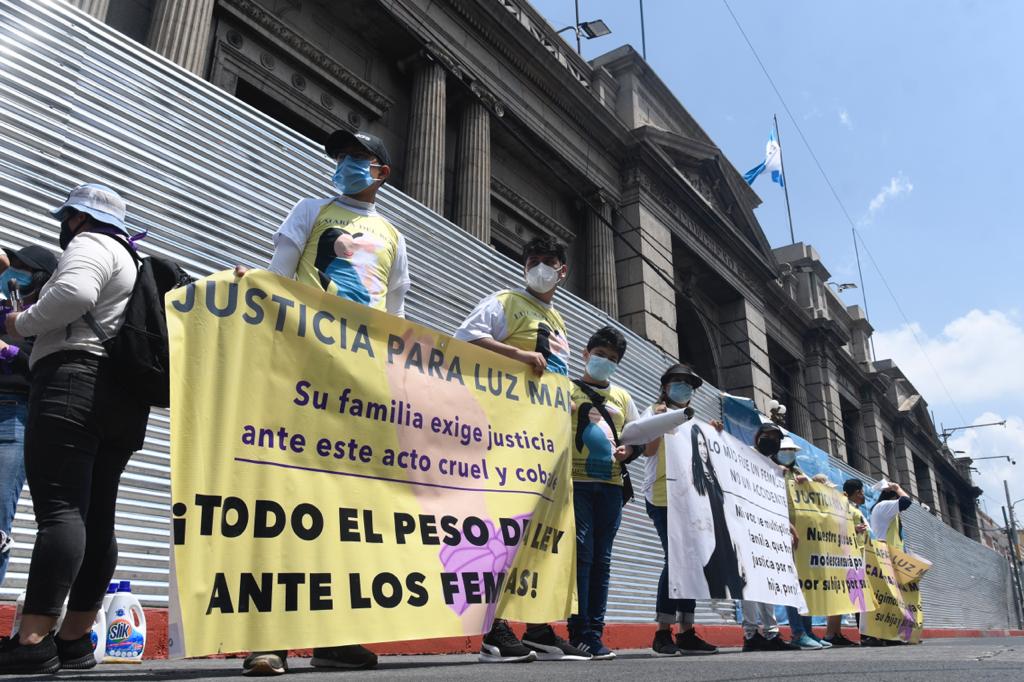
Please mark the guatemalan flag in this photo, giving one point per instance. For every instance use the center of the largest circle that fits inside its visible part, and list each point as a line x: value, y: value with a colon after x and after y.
x: 772, y: 163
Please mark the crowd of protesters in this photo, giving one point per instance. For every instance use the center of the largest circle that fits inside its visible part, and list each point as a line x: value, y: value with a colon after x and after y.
x: 67, y: 428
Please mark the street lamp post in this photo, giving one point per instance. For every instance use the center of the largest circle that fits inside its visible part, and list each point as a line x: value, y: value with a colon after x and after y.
x: 1015, y: 556
x: 1014, y: 570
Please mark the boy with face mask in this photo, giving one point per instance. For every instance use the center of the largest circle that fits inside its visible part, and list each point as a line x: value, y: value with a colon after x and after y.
x: 22, y: 274
x: 600, y: 411
x: 522, y: 324
x: 853, y: 488
x: 678, y: 384
x: 340, y: 243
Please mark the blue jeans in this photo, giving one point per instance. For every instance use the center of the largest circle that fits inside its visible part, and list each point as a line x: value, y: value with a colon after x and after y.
x: 13, y: 412
x: 598, y: 509
x: 799, y: 625
x: 668, y: 609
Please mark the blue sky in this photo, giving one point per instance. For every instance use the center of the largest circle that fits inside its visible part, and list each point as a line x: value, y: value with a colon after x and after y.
x: 914, y: 110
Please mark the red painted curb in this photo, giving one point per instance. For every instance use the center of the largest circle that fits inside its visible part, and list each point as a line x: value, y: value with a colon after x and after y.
x: 616, y: 636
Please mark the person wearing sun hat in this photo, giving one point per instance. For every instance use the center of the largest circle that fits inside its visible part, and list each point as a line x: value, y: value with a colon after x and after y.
x: 82, y: 428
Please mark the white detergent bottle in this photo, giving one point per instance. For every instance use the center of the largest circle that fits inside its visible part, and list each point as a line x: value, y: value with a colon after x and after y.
x: 111, y: 591
x: 98, y: 635
x: 126, y: 627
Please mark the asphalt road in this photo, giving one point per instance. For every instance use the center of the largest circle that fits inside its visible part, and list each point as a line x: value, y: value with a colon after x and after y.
x: 939, y: 659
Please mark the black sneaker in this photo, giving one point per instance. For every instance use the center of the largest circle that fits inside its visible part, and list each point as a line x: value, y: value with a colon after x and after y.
x: 872, y: 641
x: 839, y: 640
x: 350, y: 657
x: 755, y: 643
x: 265, y: 663
x: 28, y: 659
x: 690, y: 644
x: 663, y: 644
x: 76, y: 654
x: 550, y: 647
x: 777, y: 643
x: 501, y: 645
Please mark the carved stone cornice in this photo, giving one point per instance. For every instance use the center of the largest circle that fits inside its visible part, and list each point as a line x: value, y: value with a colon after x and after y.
x: 531, y: 212
x: 636, y: 178
x: 333, y: 71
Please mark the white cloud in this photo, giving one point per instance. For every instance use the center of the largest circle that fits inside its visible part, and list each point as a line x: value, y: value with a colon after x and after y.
x: 979, y: 357
x: 898, y: 185
x: 844, y: 118
x: 995, y: 441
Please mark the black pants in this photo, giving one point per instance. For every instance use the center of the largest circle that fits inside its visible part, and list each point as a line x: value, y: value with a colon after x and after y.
x: 82, y: 429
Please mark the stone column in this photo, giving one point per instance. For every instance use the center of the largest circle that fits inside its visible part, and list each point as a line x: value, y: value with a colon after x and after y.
x: 799, y: 417
x: 602, y: 290
x: 904, y: 474
x: 473, y: 171
x: 97, y: 8
x: 180, y: 31
x: 424, y: 173
x: 874, y: 440
x: 823, y: 400
x: 646, y: 305
x: 745, y: 353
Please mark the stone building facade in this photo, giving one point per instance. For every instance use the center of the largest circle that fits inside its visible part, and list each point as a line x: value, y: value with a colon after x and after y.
x: 496, y: 123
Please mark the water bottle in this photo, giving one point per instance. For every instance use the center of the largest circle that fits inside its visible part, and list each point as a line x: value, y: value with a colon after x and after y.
x: 126, y: 627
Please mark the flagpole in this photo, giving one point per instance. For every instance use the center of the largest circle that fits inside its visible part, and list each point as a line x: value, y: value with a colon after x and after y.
x: 785, y: 183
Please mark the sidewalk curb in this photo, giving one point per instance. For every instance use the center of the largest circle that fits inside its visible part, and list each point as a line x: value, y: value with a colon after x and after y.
x: 616, y: 636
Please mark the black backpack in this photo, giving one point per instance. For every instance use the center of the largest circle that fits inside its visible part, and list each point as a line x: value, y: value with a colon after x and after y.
x: 139, y: 350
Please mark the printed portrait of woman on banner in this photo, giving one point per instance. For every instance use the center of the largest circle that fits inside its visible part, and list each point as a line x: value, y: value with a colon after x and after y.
x: 722, y: 569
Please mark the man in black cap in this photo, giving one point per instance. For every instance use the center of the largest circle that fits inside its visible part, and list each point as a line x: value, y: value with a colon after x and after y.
x: 340, y: 243
x: 678, y: 385
x: 22, y: 274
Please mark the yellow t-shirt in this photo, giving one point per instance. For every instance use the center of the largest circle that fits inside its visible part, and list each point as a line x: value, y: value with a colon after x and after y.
x: 521, y: 320
x: 346, y: 251
x: 593, y: 441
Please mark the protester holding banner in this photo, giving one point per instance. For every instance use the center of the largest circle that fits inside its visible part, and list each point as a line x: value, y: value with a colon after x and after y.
x: 853, y: 489
x: 82, y: 429
x: 600, y: 411
x: 802, y: 627
x: 768, y: 442
x: 23, y: 272
x: 885, y: 515
x: 522, y: 324
x: 678, y: 384
x: 340, y: 244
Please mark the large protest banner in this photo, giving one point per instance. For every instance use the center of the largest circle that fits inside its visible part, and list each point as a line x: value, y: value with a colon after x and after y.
x: 343, y: 476
x: 898, y: 615
x: 728, y: 523
x: 829, y: 560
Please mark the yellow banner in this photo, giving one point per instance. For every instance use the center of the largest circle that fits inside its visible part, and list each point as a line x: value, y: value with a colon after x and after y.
x: 899, y: 615
x: 343, y: 476
x: 829, y: 561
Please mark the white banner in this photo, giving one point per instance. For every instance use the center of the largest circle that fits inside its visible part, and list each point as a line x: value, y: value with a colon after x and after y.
x: 728, y: 521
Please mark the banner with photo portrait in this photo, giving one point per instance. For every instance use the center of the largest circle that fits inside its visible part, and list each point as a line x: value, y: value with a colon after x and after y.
x: 728, y: 521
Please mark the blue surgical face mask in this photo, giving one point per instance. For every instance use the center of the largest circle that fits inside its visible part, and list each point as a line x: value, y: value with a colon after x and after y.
x: 352, y: 175
x: 679, y: 392
x: 786, y: 458
x: 22, y: 277
x: 600, y: 369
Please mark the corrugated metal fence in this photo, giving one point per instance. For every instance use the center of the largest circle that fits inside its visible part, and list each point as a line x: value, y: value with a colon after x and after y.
x: 211, y: 179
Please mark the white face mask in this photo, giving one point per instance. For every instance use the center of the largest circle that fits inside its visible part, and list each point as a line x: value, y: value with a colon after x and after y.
x: 542, y: 278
